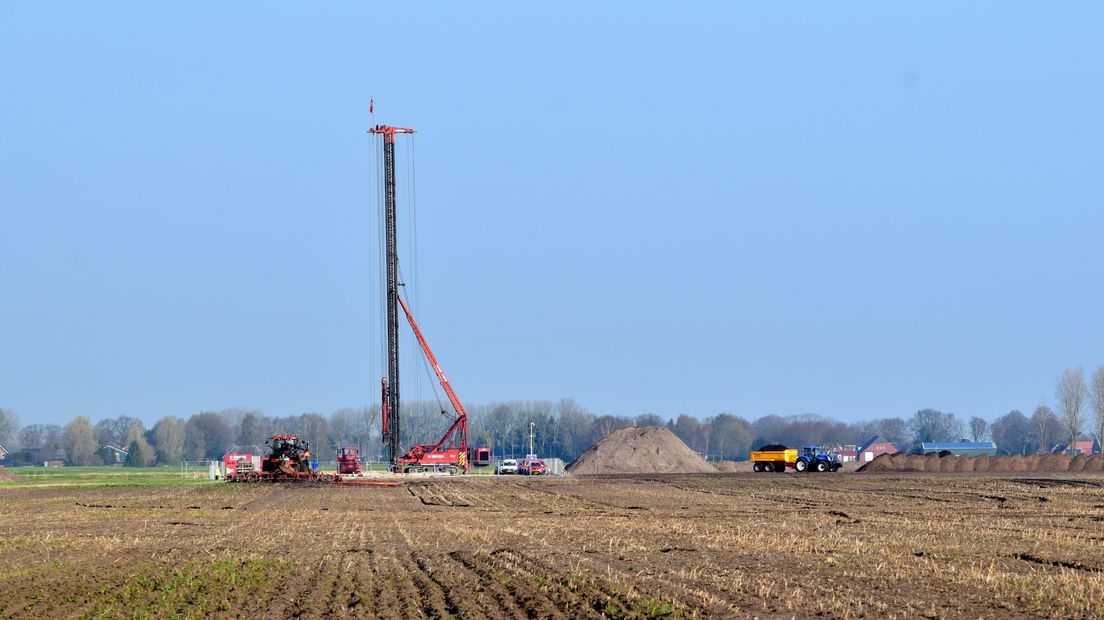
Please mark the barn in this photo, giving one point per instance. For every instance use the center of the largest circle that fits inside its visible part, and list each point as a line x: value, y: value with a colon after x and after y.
x: 875, y: 447
x: 1085, y: 446
x: 960, y: 448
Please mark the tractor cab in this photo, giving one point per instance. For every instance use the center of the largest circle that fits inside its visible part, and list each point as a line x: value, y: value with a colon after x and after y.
x: 816, y: 458
x: 812, y: 451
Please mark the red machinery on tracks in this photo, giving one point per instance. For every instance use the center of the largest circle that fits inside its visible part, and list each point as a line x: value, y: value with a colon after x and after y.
x: 450, y: 453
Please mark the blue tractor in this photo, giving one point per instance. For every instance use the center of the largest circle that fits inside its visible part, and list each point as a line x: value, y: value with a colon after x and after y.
x: 816, y: 458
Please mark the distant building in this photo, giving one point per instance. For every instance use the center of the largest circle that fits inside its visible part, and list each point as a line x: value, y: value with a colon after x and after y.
x: 960, y: 448
x: 873, y: 448
x: 3, y: 453
x: 1086, y: 446
x: 117, y: 454
x: 846, y: 453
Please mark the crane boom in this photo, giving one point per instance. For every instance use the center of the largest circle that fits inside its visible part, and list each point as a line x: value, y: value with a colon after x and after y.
x: 461, y: 423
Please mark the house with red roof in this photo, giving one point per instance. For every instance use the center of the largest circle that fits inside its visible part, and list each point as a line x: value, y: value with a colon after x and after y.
x: 873, y: 448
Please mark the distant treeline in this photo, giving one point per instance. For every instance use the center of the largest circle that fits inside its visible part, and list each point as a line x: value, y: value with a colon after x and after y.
x: 562, y: 429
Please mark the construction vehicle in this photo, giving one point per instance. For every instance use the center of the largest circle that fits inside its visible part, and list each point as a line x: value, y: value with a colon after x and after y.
x: 348, y: 461
x: 289, y: 460
x: 773, y: 457
x: 479, y: 457
x: 450, y: 453
x: 237, y: 463
x: 816, y: 458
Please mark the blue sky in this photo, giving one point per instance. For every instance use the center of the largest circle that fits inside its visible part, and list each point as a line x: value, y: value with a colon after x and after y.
x: 853, y: 210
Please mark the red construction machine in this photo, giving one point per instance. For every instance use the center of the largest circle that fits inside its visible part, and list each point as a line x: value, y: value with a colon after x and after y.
x: 289, y: 460
x: 348, y: 460
x: 450, y: 453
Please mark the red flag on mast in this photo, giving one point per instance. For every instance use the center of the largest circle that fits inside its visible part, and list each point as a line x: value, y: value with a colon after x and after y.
x: 371, y: 106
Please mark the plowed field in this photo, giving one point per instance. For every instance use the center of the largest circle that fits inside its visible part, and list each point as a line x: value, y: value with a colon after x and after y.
x: 720, y: 545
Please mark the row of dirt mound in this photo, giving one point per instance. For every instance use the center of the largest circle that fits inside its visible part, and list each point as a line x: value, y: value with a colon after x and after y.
x: 1035, y: 463
x: 7, y: 476
x: 640, y: 450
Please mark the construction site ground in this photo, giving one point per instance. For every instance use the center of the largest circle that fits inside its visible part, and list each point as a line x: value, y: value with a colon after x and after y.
x: 709, y: 545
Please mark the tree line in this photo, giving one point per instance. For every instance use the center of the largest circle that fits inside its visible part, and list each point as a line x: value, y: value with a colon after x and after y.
x: 561, y: 429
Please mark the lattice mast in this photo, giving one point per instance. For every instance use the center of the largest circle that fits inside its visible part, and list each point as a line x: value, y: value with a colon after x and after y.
x: 390, y: 384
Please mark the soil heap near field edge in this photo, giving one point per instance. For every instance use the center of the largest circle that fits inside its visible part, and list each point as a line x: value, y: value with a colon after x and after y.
x: 1035, y: 463
x: 7, y: 476
x: 640, y: 450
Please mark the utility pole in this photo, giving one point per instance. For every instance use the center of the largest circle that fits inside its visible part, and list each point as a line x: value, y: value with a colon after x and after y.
x: 390, y: 383
x: 532, y: 430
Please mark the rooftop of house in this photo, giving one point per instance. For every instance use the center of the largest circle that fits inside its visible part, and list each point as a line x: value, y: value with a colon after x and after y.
x: 958, y: 445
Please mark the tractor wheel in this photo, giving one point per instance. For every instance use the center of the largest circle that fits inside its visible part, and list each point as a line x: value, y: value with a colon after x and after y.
x: 757, y: 467
x: 821, y: 466
x: 801, y: 465
x: 768, y: 467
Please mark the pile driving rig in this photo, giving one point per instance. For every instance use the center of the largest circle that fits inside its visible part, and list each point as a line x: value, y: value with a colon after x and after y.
x: 450, y: 453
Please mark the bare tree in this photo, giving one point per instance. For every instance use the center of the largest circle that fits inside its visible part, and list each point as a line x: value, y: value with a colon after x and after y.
x: 1098, y: 402
x: 32, y: 436
x: 1045, y: 427
x: 9, y: 424
x: 79, y: 442
x: 935, y: 425
x: 979, y: 428
x: 168, y: 435
x: 1071, y: 391
x: 1010, y: 432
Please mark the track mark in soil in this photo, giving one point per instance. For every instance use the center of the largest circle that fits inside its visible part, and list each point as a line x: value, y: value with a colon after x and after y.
x: 844, y: 517
x: 1056, y: 482
x: 1027, y: 557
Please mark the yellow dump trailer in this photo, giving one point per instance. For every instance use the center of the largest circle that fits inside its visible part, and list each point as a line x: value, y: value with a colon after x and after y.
x: 773, y: 460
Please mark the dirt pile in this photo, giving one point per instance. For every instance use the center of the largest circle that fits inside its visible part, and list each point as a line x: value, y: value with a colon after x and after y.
x: 640, y: 450
x: 1035, y: 463
x: 733, y: 467
x: 7, y: 476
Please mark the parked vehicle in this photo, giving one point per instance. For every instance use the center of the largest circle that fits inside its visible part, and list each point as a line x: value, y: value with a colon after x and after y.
x: 507, y: 466
x: 533, y: 467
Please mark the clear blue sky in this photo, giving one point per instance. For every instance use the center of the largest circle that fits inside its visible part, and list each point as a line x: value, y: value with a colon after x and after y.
x: 856, y: 211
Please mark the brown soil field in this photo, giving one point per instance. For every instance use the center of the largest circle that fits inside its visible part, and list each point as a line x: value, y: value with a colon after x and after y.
x: 712, y: 545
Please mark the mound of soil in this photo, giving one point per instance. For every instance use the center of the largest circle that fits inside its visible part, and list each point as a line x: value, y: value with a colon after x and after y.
x: 640, y: 450
x: 733, y: 467
x: 7, y: 476
x: 1035, y: 463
